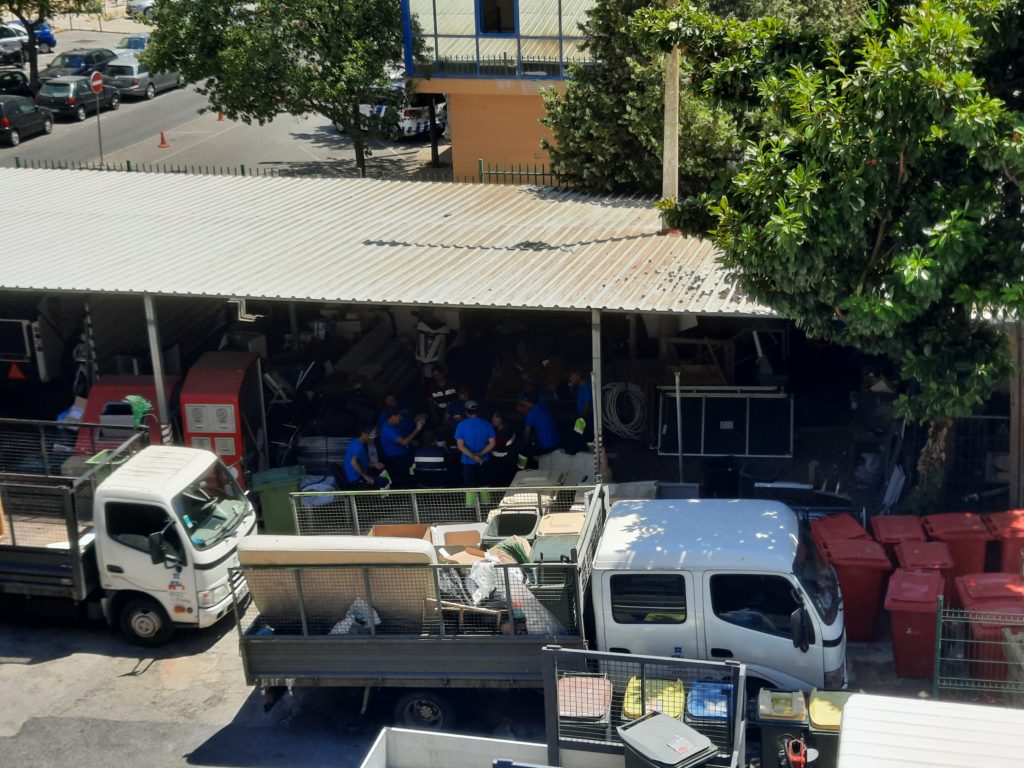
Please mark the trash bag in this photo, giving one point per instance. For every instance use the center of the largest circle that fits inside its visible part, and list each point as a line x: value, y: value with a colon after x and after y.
x: 357, y: 619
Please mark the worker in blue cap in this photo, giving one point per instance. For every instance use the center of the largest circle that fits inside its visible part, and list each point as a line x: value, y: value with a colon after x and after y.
x: 540, y: 435
x: 474, y: 438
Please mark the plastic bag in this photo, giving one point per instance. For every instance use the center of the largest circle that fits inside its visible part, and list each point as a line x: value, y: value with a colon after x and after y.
x: 357, y: 619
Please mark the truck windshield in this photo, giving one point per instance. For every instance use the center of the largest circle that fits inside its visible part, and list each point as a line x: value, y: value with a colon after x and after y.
x: 211, y: 507
x: 817, y: 578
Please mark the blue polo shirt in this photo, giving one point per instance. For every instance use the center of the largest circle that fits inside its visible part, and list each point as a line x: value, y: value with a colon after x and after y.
x: 357, y: 449
x: 542, y: 424
x: 475, y: 433
x: 389, y: 437
x: 584, y: 395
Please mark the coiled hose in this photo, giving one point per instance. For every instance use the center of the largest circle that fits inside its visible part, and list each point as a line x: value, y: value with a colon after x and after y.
x: 612, y: 396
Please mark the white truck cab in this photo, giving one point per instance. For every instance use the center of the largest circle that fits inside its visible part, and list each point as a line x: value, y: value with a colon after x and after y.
x: 719, y: 579
x: 167, y: 525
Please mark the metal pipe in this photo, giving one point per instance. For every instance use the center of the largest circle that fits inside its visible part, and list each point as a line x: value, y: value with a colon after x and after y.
x: 293, y: 321
x: 595, y: 383
x: 156, y: 355
x: 679, y: 426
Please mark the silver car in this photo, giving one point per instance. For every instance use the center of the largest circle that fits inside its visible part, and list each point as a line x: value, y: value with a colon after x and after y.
x: 132, y: 78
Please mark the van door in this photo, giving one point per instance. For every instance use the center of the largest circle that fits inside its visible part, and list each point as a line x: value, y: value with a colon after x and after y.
x: 747, y: 618
x: 124, y: 559
x: 650, y: 613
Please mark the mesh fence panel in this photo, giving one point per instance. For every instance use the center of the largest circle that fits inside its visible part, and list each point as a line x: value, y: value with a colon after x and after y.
x: 598, y: 692
x: 355, y: 512
x: 981, y: 656
x: 421, y: 600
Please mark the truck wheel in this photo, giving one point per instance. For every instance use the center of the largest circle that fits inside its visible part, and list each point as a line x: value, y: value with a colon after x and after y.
x: 144, y: 622
x: 424, y: 710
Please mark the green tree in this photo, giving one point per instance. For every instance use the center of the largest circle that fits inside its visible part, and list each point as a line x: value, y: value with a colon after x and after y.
x: 883, y: 210
x: 608, y: 124
x: 260, y: 60
x: 32, y: 13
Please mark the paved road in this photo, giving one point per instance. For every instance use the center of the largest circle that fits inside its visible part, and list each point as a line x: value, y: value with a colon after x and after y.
x: 290, y: 145
x: 75, y: 694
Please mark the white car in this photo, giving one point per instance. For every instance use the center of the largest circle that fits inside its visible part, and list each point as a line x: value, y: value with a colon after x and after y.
x: 136, y: 8
x: 413, y: 115
x: 132, y: 44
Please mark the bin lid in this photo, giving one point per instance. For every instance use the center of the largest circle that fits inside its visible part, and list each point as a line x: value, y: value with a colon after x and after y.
x: 841, y: 526
x: 862, y: 553
x: 914, y: 591
x: 956, y: 525
x: 826, y: 709
x: 1006, y: 525
x: 980, y: 589
x: 666, y: 741
x: 709, y: 700
x: 788, y: 706
x: 584, y: 697
x: 278, y: 476
x: 892, y: 529
x: 924, y: 555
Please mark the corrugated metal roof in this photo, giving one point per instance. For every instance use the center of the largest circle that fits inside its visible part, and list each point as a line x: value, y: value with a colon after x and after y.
x: 357, y: 241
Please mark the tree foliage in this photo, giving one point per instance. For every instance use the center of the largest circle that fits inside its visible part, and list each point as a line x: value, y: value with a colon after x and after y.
x: 260, y: 60
x: 883, y: 208
x: 608, y: 124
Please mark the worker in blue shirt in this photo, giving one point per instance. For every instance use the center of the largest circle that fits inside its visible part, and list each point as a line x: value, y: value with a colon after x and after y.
x: 583, y: 424
x: 474, y: 437
x: 358, y: 471
x: 395, y: 444
x: 390, y: 403
x: 540, y: 435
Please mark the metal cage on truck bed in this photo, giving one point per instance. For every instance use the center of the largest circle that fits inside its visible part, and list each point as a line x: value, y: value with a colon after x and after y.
x: 48, y: 477
x: 419, y: 625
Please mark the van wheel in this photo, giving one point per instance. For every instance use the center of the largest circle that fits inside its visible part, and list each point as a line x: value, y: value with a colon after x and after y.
x: 144, y: 622
x: 425, y: 710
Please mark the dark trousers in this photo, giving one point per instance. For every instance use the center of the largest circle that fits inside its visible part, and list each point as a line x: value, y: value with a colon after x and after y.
x: 474, y: 475
x: 398, y: 467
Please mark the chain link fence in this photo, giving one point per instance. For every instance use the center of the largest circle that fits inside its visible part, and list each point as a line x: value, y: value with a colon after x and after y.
x: 591, y: 693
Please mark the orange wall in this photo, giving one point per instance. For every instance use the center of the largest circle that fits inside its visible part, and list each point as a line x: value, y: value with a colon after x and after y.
x: 502, y: 129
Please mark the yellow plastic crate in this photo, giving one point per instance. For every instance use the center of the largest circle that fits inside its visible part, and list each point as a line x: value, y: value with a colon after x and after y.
x: 665, y: 696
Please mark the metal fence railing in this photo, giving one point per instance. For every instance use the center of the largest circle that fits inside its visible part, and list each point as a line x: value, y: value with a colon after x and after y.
x: 49, y: 474
x: 354, y: 513
x: 589, y: 694
x: 979, y: 655
x: 517, y: 174
x: 412, y: 599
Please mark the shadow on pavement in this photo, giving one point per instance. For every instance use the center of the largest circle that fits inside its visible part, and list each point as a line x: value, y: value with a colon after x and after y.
x: 39, y: 630
x: 323, y: 726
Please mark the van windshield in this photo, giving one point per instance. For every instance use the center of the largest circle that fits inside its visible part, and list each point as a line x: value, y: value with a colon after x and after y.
x: 211, y: 507
x: 817, y: 578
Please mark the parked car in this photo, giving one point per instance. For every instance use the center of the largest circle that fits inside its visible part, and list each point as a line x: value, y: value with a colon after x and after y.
x: 45, y: 39
x: 137, y: 8
x: 413, y: 115
x: 133, y: 43
x: 132, y: 78
x: 12, y: 46
x: 14, y: 82
x: 81, y: 61
x: 20, y: 118
x: 73, y: 96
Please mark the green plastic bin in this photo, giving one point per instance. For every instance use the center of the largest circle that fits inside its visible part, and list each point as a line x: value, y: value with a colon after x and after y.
x: 274, y: 486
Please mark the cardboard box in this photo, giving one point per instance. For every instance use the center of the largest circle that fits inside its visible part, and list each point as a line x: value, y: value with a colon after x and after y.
x: 462, y: 539
x: 465, y: 556
x: 403, y: 531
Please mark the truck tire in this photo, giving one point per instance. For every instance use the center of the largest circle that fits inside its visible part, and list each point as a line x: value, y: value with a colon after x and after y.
x: 424, y: 710
x: 144, y: 622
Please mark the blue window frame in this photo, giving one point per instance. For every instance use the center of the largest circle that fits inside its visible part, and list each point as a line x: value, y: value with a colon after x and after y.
x: 497, y: 18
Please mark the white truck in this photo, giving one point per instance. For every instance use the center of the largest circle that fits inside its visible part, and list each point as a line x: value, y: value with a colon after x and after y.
x: 145, y: 536
x: 697, y: 579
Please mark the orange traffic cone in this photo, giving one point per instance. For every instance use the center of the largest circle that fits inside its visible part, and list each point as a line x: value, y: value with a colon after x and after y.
x: 163, y: 142
x: 220, y: 117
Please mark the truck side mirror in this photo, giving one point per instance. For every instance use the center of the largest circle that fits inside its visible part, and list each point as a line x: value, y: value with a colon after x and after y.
x: 799, y: 627
x: 157, y: 547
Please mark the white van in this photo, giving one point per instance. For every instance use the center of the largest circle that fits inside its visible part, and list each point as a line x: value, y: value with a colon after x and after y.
x: 719, y: 579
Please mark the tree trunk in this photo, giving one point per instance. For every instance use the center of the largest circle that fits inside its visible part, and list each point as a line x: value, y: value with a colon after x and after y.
x: 932, y: 468
x: 359, y: 141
